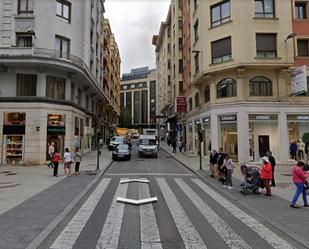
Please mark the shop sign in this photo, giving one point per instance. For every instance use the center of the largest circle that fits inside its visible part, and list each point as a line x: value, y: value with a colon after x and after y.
x: 299, y: 80
x: 300, y: 117
x: 181, y: 104
x: 262, y: 117
x: 206, y: 120
x: 55, y: 130
x: 13, y: 129
x: 228, y: 118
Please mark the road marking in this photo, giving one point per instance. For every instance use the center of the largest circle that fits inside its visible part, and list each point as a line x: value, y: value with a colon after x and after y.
x: 149, y: 174
x: 137, y: 202
x: 69, y: 235
x: 189, y: 235
x: 135, y: 180
x: 273, y: 239
x: 111, y: 230
x: 150, y: 237
x: 231, y: 238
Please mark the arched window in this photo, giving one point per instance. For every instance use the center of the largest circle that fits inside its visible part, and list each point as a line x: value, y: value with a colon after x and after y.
x: 190, y: 104
x: 261, y: 86
x: 226, y: 88
x: 207, y: 94
x: 197, y: 100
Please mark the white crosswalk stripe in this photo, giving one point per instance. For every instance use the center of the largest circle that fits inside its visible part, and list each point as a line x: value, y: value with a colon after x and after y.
x: 273, y: 239
x: 69, y: 235
x: 189, y: 235
x: 111, y: 230
x: 232, y: 239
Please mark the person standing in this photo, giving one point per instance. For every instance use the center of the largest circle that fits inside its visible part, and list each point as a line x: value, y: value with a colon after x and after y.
x: 299, y: 177
x: 77, y: 159
x: 180, y: 146
x: 229, y: 171
x: 56, y: 159
x: 213, y: 163
x: 174, y: 145
x: 51, y: 151
x: 301, y: 148
x: 266, y: 174
x: 272, y: 161
x: 67, y: 162
x: 221, y: 165
x: 293, y: 150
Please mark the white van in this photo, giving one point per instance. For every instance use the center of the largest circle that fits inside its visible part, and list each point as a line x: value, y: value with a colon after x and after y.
x: 147, y: 146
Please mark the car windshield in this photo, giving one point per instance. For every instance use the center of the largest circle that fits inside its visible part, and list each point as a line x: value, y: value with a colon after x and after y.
x: 117, y: 139
x: 123, y: 147
x: 147, y: 141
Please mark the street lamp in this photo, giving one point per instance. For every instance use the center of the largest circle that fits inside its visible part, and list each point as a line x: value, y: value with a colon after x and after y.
x: 200, y: 138
x: 291, y: 35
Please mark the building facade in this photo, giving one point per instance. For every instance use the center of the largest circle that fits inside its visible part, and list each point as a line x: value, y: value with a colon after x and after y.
x: 138, y: 90
x: 51, y: 80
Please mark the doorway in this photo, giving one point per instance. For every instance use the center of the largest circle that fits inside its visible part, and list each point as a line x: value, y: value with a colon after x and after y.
x: 263, y: 145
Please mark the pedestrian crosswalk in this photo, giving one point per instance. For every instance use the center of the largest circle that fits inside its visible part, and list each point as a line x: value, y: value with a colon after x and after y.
x: 152, y: 235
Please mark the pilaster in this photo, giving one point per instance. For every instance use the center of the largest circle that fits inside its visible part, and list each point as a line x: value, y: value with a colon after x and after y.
x: 243, y: 137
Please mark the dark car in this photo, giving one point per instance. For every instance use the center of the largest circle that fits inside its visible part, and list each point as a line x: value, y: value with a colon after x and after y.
x: 122, y: 151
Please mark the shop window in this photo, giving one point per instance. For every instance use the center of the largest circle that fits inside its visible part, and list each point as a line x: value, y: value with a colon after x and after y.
x: 26, y: 85
x: 226, y: 88
x: 264, y: 8
x: 63, y: 10
x: 76, y: 126
x: 302, y: 47
x: 55, y: 87
x: 15, y: 118
x: 197, y: 100
x: 266, y: 45
x: 25, y: 7
x: 260, y: 86
x: 221, y: 50
x: 207, y: 94
x: 220, y: 13
x: 24, y: 40
x: 190, y: 104
x: 300, y: 10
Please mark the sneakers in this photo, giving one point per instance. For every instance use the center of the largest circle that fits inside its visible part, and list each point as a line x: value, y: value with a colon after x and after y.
x: 230, y: 187
x: 306, y: 205
x: 293, y: 206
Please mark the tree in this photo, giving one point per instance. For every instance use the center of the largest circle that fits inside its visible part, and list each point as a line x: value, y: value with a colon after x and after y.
x: 125, y: 119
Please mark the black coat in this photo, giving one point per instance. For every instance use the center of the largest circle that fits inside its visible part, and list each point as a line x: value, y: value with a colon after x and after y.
x: 272, y: 161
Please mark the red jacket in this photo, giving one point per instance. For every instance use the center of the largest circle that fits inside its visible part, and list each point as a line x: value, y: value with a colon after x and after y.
x: 298, y: 175
x: 266, y: 172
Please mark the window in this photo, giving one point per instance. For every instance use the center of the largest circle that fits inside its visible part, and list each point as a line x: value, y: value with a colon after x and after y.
x: 220, y: 13
x: 207, y: 94
x: 168, y: 64
x: 87, y: 102
x: 168, y: 80
x: 180, y: 43
x: 180, y: 87
x: 63, y: 47
x: 306, y: 93
x: 180, y: 22
x: 226, y: 88
x: 55, y: 87
x: 195, y: 4
x: 169, y: 48
x: 79, y: 96
x: 197, y: 63
x: 73, y: 92
x: 221, y: 50
x: 264, y: 9
x: 25, y: 6
x: 197, y: 100
x: 26, y: 85
x: 196, y: 31
x: 76, y: 126
x: 190, y: 104
x: 302, y: 47
x: 180, y: 66
x: 260, y: 86
x: 23, y: 40
x: 300, y: 10
x: 266, y: 45
x: 63, y: 10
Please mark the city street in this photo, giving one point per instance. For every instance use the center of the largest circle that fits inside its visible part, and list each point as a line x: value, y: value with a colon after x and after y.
x: 188, y: 213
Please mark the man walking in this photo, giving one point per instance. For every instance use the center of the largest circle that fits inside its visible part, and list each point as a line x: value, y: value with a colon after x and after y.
x: 272, y: 161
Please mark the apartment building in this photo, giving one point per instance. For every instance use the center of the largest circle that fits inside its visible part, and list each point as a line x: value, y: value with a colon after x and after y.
x: 138, y: 91
x: 51, y: 82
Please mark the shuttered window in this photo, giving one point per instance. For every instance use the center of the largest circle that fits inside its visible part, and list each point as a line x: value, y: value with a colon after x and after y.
x: 303, y: 47
x: 266, y: 45
x: 221, y: 50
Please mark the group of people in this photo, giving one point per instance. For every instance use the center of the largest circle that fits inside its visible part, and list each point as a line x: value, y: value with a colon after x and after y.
x: 54, y: 157
x: 298, y: 150
x: 181, y: 145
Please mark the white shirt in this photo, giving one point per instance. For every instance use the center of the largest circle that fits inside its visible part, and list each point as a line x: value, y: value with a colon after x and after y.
x: 67, y: 157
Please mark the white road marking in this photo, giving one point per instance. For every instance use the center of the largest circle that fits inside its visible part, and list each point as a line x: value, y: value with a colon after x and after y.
x: 189, y: 235
x: 149, y: 174
x: 231, y: 238
x: 109, y: 237
x: 69, y: 235
x: 273, y: 239
x: 135, y: 180
x: 150, y: 237
x: 136, y: 202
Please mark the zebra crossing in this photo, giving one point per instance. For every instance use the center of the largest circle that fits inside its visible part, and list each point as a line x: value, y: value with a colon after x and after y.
x: 150, y: 234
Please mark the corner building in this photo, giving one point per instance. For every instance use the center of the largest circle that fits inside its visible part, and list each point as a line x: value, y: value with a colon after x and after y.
x: 241, y: 65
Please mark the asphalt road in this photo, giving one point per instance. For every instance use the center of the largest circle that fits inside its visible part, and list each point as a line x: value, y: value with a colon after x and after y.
x: 187, y: 214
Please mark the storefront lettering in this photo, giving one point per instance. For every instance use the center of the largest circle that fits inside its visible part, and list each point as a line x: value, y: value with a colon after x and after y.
x: 302, y: 117
x: 55, y: 130
x: 262, y: 117
x: 228, y: 118
x: 206, y: 120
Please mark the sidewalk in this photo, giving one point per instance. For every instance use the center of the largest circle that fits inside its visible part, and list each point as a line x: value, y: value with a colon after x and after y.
x: 19, y: 183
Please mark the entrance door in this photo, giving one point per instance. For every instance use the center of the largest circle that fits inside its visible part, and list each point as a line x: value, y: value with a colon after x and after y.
x: 263, y: 145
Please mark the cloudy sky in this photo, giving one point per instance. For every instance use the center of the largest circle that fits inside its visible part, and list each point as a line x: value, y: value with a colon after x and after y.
x: 133, y: 23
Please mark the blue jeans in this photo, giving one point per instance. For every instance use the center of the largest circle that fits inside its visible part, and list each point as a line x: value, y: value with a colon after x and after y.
x: 300, y: 189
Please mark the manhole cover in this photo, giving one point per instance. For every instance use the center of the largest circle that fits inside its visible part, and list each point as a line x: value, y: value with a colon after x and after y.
x: 11, y: 174
x: 286, y: 174
x: 5, y: 172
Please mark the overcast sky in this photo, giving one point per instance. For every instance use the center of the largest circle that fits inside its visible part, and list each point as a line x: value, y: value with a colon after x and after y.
x: 133, y: 23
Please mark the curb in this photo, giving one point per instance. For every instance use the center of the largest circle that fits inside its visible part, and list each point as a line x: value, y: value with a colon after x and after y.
x: 58, y: 219
x: 283, y: 229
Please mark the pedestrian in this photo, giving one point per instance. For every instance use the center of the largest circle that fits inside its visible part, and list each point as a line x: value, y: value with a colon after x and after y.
x: 229, y: 171
x: 56, y: 158
x: 67, y: 157
x: 51, y: 151
x: 299, y: 177
x: 77, y: 159
x: 180, y: 146
x: 272, y: 161
x: 300, y: 148
x: 174, y: 145
x: 293, y: 150
x: 221, y: 165
x: 183, y: 145
x: 213, y: 163
x: 266, y: 174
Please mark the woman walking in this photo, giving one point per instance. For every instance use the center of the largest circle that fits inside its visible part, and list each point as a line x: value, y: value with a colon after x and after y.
x: 229, y: 171
x: 266, y: 174
x: 56, y: 158
x: 67, y: 162
x: 299, y: 178
x: 78, y: 159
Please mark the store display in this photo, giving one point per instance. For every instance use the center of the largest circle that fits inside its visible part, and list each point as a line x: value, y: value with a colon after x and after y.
x: 14, y: 149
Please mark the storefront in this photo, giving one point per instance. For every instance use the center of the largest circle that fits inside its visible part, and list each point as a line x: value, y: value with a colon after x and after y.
x: 206, y: 135
x: 228, y: 135
x: 55, y: 132
x: 298, y: 124
x: 13, y: 137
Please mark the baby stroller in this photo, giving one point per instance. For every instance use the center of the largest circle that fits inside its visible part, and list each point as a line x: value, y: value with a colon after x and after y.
x: 252, y: 179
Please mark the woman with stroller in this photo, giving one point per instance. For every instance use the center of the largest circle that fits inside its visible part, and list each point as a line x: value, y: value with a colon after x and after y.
x: 266, y: 174
x: 252, y: 179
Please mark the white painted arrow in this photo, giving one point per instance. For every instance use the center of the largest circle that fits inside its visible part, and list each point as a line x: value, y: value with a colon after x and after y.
x: 134, y: 180
x: 137, y: 202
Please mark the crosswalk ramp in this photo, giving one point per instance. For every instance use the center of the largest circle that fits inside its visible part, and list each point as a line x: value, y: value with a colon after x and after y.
x: 187, y: 211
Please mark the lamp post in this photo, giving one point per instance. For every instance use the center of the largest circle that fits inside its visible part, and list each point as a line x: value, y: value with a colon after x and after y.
x: 200, y: 138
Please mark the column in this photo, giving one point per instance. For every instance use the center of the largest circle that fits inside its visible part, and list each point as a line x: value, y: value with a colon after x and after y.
x: 68, y: 90
x: 214, y: 131
x: 1, y: 136
x: 193, y: 136
x: 243, y: 136
x: 241, y: 87
x: 41, y: 85
x: 284, y: 150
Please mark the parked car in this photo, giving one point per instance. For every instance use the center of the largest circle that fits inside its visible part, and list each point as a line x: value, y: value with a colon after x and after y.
x: 115, y: 140
x: 122, y: 151
x: 147, y: 146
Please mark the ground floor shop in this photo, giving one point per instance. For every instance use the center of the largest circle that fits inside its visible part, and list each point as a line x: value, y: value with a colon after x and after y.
x: 246, y: 135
